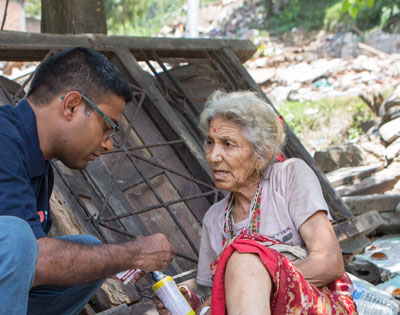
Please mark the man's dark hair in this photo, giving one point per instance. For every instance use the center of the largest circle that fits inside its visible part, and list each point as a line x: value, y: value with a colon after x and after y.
x: 77, y: 69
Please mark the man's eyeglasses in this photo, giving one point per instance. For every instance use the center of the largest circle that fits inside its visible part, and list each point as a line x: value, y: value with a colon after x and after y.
x: 113, y: 125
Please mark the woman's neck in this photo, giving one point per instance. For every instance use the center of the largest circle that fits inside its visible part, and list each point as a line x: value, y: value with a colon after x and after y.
x: 243, y: 199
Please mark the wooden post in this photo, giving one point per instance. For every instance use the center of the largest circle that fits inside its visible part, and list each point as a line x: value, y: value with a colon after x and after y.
x: 73, y: 16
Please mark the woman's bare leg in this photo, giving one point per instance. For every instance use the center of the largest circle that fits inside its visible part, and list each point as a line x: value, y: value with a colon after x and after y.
x: 248, y: 285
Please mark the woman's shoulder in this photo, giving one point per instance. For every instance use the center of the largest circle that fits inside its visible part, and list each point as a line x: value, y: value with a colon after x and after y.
x: 288, y: 165
x: 215, y: 210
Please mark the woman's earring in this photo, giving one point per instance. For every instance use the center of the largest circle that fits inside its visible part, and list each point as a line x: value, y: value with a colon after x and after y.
x: 257, y: 170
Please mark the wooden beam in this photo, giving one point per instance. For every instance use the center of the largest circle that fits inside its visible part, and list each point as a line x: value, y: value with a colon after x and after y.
x: 19, y: 46
x: 360, y: 225
x: 349, y: 175
x: 378, y: 202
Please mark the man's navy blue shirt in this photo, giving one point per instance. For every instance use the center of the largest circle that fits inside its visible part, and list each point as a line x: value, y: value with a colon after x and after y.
x: 26, y: 178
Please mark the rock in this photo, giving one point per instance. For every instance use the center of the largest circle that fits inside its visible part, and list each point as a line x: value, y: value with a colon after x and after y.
x: 349, y: 45
x: 365, y: 270
x: 262, y: 75
x: 339, y: 156
x: 383, y: 41
x: 390, y: 130
x: 279, y: 94
x: 391, y: 222
x: 390, y: 107
x: 393, y: 150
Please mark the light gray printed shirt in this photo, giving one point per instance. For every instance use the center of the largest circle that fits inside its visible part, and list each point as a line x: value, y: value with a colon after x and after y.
x: 291, y: 194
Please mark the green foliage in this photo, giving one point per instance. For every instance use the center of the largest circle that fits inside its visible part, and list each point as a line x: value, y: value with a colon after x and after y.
x: 140, y: 17
x: 33, y: 7
x: 364, y: 14
x: 354, y: 6
x: 305, y: 14
x: 313, y: 116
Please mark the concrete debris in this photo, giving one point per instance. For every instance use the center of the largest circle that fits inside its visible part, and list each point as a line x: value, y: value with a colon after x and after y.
x: 339, y: 156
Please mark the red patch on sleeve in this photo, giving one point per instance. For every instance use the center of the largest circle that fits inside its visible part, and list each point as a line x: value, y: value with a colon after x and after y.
x: 41, y: 216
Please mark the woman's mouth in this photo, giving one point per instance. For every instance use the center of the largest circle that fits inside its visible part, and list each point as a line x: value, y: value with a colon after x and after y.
x: 219, y: 174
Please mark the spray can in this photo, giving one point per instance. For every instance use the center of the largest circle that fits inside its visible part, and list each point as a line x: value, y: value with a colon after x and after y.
x: 167, y: 291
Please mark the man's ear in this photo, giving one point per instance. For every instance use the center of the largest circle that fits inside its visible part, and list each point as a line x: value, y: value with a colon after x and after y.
x: 70, y: 102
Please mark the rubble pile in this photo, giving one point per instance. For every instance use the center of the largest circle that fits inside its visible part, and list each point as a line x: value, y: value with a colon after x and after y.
x: 298, y: 66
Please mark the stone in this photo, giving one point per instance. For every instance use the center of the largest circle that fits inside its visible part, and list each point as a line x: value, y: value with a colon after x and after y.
x: 383, y: 41
x: 365, y: 270
x: 390, y: 130
x: 393, y: 150
x: 279, y: 94
x: 391, y: 222
x: 338, y: 156
x: 262, y: 75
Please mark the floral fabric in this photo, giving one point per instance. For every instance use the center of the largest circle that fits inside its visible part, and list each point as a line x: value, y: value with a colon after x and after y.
x: 292, y: 294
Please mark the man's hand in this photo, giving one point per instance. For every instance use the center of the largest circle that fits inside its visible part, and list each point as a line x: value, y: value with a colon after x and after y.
x: 66, y: 263
x: 152, y: 252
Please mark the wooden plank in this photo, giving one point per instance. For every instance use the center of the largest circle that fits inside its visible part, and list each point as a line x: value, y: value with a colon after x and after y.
x: 354, y: 246
x: 378, y: 202
x: 22, y: 46
x: 349, y: 175
x: 376, y: 184
x: 359, y: 225
x: 294, y: 148
x: 169, y: 123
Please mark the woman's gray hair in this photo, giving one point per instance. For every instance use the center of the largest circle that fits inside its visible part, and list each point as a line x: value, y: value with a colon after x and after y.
x: 260, y: 124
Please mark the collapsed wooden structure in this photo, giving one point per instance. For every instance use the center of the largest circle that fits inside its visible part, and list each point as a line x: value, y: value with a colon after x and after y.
x: 156, y: 178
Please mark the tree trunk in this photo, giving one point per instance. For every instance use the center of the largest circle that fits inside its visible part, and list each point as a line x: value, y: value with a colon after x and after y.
x: 192, y: 18
x: 73, y: 16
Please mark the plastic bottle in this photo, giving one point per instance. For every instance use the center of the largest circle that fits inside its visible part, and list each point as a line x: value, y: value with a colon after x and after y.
x: 370, y: 308
x: 167, y: 291
x: 369, y: 297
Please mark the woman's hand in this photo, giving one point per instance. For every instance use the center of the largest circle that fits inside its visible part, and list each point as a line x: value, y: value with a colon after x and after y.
x: 160, y: 306
x: 205, y: 305
x: 192, y: 299
x: 189, y: 295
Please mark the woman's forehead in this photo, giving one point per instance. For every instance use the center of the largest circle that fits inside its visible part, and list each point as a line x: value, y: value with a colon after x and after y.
x: 220, y: 124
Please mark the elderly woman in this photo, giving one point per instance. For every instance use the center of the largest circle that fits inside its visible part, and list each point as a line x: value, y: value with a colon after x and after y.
x: 253, y: 241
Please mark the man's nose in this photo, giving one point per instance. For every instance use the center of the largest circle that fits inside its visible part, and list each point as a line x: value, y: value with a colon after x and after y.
x: 107, y: 145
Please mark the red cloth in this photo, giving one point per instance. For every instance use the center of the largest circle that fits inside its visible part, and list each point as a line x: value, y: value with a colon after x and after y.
x: 292, y: 294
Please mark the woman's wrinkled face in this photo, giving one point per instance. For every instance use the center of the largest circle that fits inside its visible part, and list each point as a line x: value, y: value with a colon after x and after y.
x: 230, y: 156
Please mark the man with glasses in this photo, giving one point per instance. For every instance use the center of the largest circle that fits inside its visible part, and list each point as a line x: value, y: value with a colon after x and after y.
x: 70, y: 113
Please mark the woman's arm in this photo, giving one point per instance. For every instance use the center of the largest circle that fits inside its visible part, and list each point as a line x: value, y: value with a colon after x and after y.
x: 324, y: 262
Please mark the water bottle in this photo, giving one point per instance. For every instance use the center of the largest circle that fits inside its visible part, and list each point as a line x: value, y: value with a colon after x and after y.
x: 370, y: 308
x: 167, y: 291
x: 371, y: 298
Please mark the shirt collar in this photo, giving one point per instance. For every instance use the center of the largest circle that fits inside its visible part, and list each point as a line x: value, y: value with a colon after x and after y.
x: 37, y: 163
